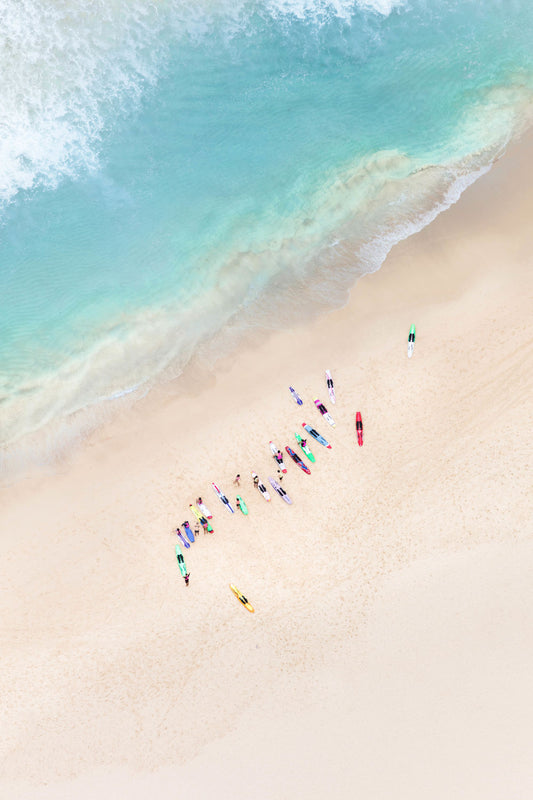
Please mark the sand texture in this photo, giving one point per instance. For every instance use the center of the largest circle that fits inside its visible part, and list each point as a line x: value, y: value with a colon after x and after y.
x: 391, y: 649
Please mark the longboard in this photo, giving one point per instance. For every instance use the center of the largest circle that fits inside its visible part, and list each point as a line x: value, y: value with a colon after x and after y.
x: 181, y: 561
x: 295, y: 396
x: 297, y: 460
x: 223, y: 498
x: 244, y: 507
x: 200, y: 517
x: 331, y: 388
x: 359, y: 428
x: 241, y: 597
x: 323, y: 410
x: 280, y: 490
x: 274, y: 451
x: 205, y: 511
x: 188, y: 531
x: 182, y: 539
x: 306, y: 448
x: 261, y: 486
x: 316, y: 435
x: 411, y: 341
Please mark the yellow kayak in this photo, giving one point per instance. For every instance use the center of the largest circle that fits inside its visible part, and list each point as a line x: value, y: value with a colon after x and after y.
x: 241, y: 597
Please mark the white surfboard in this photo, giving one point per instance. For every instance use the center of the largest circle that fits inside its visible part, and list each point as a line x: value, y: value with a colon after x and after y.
x: 222, y: 497
x: 329, y: 384
x: 274, y: 451
x: 261, y: 486
x: 205, y: 511
x: 325, y: 414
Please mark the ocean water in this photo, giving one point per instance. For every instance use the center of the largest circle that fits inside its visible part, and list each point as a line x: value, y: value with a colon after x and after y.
x: 174, y: 174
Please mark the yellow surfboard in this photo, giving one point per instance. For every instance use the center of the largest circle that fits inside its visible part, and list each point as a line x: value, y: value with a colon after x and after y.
x: 241, y: 597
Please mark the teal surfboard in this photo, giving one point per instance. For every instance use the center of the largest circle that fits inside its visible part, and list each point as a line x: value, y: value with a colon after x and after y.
x: 306, y: 449
x: 244, y: 507
x: 181, y: 561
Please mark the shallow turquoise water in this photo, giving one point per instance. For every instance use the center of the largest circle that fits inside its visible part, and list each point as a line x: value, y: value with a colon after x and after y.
x: 171, y: 165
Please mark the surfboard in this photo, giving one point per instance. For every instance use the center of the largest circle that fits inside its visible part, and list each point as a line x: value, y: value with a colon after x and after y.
x: 295, y: 396
x: 316, y: 435
x: 331, y: 388
x: 239, y: 595
x: 280, y: 490
x: 181, y: 561
x: 244, y: 507
x: 222, y: 497
x: 411, y: 341
x: 188, y: 531
x: 297, y: 460
x: 200, y: 517
x: 323, y: 410
x: 274, y: 451
x: 182, y: 539
x: 205, y: 511
x: 306, y: 449
x: 261, y: 486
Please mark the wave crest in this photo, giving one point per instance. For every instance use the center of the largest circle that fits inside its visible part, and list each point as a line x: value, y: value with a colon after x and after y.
x: 63, y: 66
x: 68, y: 68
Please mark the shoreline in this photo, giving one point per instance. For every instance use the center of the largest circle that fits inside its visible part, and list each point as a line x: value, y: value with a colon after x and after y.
x: 111, y: 662
x: 57, y: 440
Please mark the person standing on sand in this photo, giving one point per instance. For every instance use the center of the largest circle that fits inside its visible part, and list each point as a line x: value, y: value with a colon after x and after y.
x: 256, y: 481
x: 196, y: 529
x: 237, y: 480
x: 280, y: 475
x: 186, y: 578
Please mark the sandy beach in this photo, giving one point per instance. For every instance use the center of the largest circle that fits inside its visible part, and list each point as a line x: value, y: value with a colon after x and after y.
x: 390, y: 653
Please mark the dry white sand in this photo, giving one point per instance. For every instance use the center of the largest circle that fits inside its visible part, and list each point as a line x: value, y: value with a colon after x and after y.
x: 390, y: 654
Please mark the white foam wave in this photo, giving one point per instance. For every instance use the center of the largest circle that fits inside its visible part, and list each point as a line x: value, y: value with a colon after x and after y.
x: 373, y: 253
x: 322, y: 9
x: 62, y: 65
x: 68, y: 67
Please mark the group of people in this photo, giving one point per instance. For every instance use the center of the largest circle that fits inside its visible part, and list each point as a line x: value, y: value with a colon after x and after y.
x: 205, y: 525
x: 237, y: 482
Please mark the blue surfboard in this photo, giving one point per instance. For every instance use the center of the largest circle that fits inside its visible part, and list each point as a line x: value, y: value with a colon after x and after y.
x: 188, y: 531
x: 315, y: 434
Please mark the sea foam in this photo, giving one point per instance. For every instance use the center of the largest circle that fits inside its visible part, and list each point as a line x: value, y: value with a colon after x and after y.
x: 66, y: 68
x: 176, y: 174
